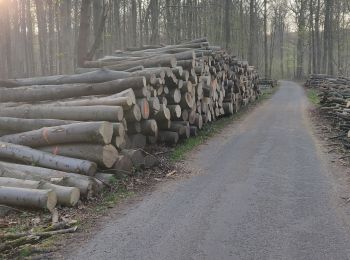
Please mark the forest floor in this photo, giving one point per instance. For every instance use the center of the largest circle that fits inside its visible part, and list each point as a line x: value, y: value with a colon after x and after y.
x: 265, y: 187
x: 92, y: 215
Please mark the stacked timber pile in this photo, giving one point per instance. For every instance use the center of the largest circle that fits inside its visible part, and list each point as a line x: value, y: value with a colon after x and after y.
x: 267, y: 83
x: 57, y: 133
x: 317, y: 80
x: 334, y: 94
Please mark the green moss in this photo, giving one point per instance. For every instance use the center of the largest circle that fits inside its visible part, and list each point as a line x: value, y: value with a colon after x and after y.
x: 25, y: 252
x: 313, y: 97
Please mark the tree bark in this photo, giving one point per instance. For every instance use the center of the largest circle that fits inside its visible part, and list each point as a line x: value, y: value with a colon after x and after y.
x: 83, y: 42
x: 29, y: 155
x: 88, y: 132
x: 26, y: 172
x: 30, y: 198
x: 136, y: 156
x: 83, y: 113
x: 149, y: 127
x: 56, y: 92
x: 18, y: 125
x: 97, y: 76
x: 103, y: 155
x: 66, y: 196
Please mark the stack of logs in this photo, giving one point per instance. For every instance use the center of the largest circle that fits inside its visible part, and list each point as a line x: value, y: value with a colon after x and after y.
x: 334, y: 93
x: 58, y: 132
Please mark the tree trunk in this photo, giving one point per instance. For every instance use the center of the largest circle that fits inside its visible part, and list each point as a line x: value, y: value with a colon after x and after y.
x: 83, y: 42
x: 29, y: 155
x: 30, y: 198
x: 136, y: 156
x: 18, y: 125
x: 89, y: 132
x: 123, y: 165
x: 149, y: 127
x: 98, y: 76
x: 82, y: 113
x: 26, y: 172
x: 55, y: 92
x: 66, y: 196
x: 103, y: 155
x: 168, y: 137
x: 42, y: 34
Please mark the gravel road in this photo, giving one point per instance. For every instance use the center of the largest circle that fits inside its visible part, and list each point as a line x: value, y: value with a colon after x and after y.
x: 262, y: 191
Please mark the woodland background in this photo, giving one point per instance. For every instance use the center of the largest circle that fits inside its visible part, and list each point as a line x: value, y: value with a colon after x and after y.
x: 282, y: 38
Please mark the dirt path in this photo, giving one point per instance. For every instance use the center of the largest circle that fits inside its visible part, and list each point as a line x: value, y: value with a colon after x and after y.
x: 261, y: 192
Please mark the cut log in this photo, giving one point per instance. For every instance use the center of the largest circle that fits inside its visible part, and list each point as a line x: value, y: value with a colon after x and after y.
x: 5, y: 132
x: 55, y: 92
x: 149, y: 127
x: 174, y: 96
x: 187, y: 87
x: 187, y: 133
x: 66, y: 196
x: 164, y: 124
x: 26, y: 172
x: 101, y: 75
x: 137, y: 141
x: 134, y: 128
x: 154, y: 105
x: 193, y: 130
x: 192, y: 116
x: 187, y: 101
x: 118, y: 129
x: 125, y: 102
x: 88, y: 132
x: 180, y: 129
x: 163, y: 114
x: 29, y: 155
x: 29, y: 198
x: 178, y: 71
x: 175, y: 111
x: 18, y: 125
x: 186, y: 64
x: 102, y: 155
x: 184, y: 123
x: 79, y: 113
x: 186, y: 55
x: 199, y: 91
x: 136, y: 68
x: 136, y: 156
x: 163, y: 101
x: 228, y: 108
x: 120, y: 142
x: 13, y: 182
x: 184, y: 114
x: 157, y: 61
x: 144, y: 107
x: 133, y: 114
x: 150, y: 75
x: 198, y: 121
x: 123, y: 165
x: 105, y: 178
x: 168, y: 137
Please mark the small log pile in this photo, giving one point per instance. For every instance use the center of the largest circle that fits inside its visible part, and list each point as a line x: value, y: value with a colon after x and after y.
x: 334, y: 94
x: 267, y: 83
x: 318, y: 80
x: 58, y: 132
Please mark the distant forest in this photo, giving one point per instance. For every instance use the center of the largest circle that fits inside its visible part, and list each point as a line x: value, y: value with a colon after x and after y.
x: 282, y: 38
